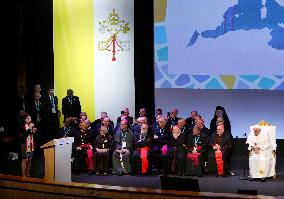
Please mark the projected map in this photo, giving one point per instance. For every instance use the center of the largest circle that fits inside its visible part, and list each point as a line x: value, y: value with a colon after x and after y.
x: 250, y: 15
x: 218, y: 44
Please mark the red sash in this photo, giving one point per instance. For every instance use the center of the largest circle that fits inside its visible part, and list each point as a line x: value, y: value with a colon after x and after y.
x: 30, y: 143
x: 89, y: 158
x: 219, y: 161
x: 165, y: 149
x: 144, y: 158
x: 194, y: 156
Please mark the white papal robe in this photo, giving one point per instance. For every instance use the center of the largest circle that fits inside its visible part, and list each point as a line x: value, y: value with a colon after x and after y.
x: 260, y: 164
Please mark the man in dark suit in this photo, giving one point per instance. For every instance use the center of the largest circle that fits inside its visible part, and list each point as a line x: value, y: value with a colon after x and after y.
x: 52, y: 105
x: 39, y: 113
x: 21, y: 99
x: 71, y: 106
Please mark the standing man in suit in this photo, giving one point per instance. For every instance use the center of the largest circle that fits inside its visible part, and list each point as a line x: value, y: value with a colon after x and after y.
x: 71, y: 106
x: 39, y: 114
x: 52, y: 104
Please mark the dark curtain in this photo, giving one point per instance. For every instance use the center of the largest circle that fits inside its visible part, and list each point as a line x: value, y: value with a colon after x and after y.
x: 144, y: 56
x: 37, y: 27
x: 9, y: 62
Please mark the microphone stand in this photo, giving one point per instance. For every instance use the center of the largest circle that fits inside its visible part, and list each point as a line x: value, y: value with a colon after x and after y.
x: 243, y: 155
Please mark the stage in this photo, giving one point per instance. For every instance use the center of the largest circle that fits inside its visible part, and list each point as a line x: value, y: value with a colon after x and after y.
x: 228, y: 184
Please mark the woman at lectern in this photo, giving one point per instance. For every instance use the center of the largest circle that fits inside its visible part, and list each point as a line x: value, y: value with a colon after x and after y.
x: 27, y: 146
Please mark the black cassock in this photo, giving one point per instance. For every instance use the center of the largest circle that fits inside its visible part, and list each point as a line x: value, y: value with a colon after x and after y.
x: 195, y: 162
x: 225, y: 143
x: 83, y: 159
x: 176, y: 155
x: 102, y: 158
x: 141, y: 153
x: 158, y: 156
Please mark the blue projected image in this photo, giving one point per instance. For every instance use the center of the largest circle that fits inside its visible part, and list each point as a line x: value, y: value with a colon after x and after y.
x: 248, y: 15
x: 237, y: 37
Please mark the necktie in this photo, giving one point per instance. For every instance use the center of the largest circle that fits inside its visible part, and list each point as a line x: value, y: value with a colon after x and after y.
x: 52, y: 101
x: 37, y: 105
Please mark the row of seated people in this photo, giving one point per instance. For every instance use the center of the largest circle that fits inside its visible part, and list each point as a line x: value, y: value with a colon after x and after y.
x: 141, y: 149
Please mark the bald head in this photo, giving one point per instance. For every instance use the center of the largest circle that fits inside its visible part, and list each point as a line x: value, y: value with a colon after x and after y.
x: 176, y: 130
x: 144, y: 128
x: 181, y: 123
x: 162, y: 122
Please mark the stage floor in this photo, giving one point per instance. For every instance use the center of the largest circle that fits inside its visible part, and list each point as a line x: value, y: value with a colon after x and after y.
x: 228, y: 184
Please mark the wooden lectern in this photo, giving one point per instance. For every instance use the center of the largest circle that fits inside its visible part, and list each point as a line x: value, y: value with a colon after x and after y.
x: 57, y: 158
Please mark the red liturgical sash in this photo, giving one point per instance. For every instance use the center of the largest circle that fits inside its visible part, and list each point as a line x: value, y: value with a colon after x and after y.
x: 219, y: 161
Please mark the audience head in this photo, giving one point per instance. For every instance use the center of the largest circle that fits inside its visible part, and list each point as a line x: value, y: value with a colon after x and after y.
x: 123, y: 125
x: 67, y: 122
x: 103, y: 130
x: 37, y: 88
x: 196, y: 130
x: 220, y: 112
x: 174, y: 112
x: 159, y: 112
x: 106, y: 121
x: 126, y: 112
x: 142, y: 112
x: 256, y: 130
x: 83, y: 116
x: 70, y: 92
x: 176, y: 130
x: 144, y: 128
x: 28, y: 118
x: 50, y: 91
x: 162, y: 122
x: 21, y: 90
x: 220, y: 129
x: 144, y: 120
x: 198, y: 117
x: 123, y: 117
x: 37, y: 96
x: 193, y: 114
x: 103, y: 114
x: 199, y: 123
x: 219, y: 121
x: 22, y: 113
x: 158, y: 117
x: 84, y: 125
x: 181, y: 123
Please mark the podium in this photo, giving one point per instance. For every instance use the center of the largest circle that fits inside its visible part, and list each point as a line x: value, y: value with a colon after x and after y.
x: 57, y: 156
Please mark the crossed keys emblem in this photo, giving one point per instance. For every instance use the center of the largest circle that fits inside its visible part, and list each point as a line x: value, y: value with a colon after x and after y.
x: 113, y: 27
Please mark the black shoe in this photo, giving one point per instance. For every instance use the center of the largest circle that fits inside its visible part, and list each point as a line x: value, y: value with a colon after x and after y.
x: 262, y: 179
x: 92, y: 172
x: 76, y: 172
x: 120, y: 174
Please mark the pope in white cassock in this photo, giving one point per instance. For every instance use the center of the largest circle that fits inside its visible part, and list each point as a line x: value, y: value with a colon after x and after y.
x: 260, y: 159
